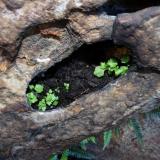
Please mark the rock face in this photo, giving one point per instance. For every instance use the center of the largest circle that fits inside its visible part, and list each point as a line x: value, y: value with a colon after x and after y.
x: 140, y: 31
x: 34, y: 36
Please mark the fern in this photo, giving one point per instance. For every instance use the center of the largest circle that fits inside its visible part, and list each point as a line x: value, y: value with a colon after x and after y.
x: 154, y: 113
x: 117, y: 132
x: 53, y: 157
x: 81, y: 154
x: 107, y: 136
x: 85, y: 142
x: 65, y: 155
x: 135, y: 124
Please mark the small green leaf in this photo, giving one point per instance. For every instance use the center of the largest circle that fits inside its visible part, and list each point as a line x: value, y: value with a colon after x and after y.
x: 32, y: 98
x: 107, y: 138
x: 50, y: 98
x: 66, y: 86
x: 50, y: 91
x: 137, y: 129
x: 42, y: 105
x: 103, y: 65
x: 125, y: 59
x: 31, y: 87
x: 54, y: 156
x: 112, y: 63
x: 85, y: 142
x: 39, y: 88
x: 121, y: 71
x: 99, y: 72
x: 65, y: 155
x: 57, y: 90
x: 55, y: 103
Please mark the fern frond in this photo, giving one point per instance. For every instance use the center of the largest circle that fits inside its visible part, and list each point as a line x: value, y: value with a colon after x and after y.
x: 54, y: 156
x: 81, y: 154
x: 85, y: 142
x: 117, y: 132
x: 137, y: 129
x: 65, y: 154
x: 154, y: 113
x: 107, y: 136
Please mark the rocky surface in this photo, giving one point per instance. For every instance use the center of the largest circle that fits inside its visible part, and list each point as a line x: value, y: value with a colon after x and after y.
x: 91, y: 114
x: 127, y: 147
x: 140, y: 31
x: 32, y: 40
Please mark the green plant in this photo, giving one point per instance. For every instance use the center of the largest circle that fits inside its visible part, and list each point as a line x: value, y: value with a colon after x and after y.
x: 32, y: 98
x: 107, y: 136
x: 112, y: 67
x: 42, y: 106
x: 73, y: 152
x: 154, y: 113
x: 81, y: 154
x: 65, y: 155
x: 135, y: 124
x: 54, y: 156
x: 85, y: 142
x: 38, y: 88
x: 34, y: 90
x: 49, y: 100
x: 66, y: 86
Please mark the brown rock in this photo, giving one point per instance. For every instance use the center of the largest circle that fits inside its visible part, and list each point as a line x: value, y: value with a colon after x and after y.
x: 140, y: 31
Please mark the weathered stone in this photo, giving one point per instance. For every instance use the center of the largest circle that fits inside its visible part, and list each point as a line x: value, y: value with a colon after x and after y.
x: 55, y: 130
x: 141, y: 32
x: 127, y: 146
x: 17, y: 16
x: 37, y: 35
x: 92, y: 28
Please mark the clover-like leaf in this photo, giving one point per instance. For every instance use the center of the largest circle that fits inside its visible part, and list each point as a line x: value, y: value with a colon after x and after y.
x: 121, y: 71
x: 42, y: 105
x: 99, y: 72
x: 39, y: 88
x: 31, y: 97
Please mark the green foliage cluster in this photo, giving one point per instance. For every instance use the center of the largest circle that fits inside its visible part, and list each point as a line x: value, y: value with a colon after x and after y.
x: 112, y: 66
x: 50, y: 98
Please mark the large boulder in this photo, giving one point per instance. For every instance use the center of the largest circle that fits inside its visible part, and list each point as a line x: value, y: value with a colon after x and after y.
x: 35, y: 35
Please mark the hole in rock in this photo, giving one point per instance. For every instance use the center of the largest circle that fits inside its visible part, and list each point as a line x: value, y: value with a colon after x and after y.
x: 114, y: 7
x: 73, y: 77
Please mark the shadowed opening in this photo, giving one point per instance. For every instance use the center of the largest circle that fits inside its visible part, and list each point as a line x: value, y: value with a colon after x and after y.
x: 77, y: 71
x: 114, y: 7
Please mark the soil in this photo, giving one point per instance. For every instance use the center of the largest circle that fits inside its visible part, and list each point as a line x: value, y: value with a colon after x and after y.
x: 77, y: 70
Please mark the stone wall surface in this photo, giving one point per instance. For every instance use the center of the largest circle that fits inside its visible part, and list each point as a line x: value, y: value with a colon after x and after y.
x: 34, y: 36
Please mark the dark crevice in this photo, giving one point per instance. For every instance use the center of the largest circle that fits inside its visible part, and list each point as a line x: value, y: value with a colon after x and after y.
x: 147, y: 70
x: 77, y: 70
x: 114, y: 7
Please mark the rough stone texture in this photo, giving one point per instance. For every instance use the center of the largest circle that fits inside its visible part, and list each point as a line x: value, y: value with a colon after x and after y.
x: 126, y: 146
x: 141, y: 32
x: 87, y: 26
x: 37, y: 39
x: 17, y: 16
x: 88, y: 115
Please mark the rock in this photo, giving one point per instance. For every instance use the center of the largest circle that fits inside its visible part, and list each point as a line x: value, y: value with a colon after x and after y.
x: 36, y: 35
x: 17, y: 16
x: 140, y: 31
x: 51, y: 130
x: 92, y: 28
x: 127, y: 146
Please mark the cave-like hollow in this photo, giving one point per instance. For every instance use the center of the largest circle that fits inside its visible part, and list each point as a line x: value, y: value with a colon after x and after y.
x: 78, y: 71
